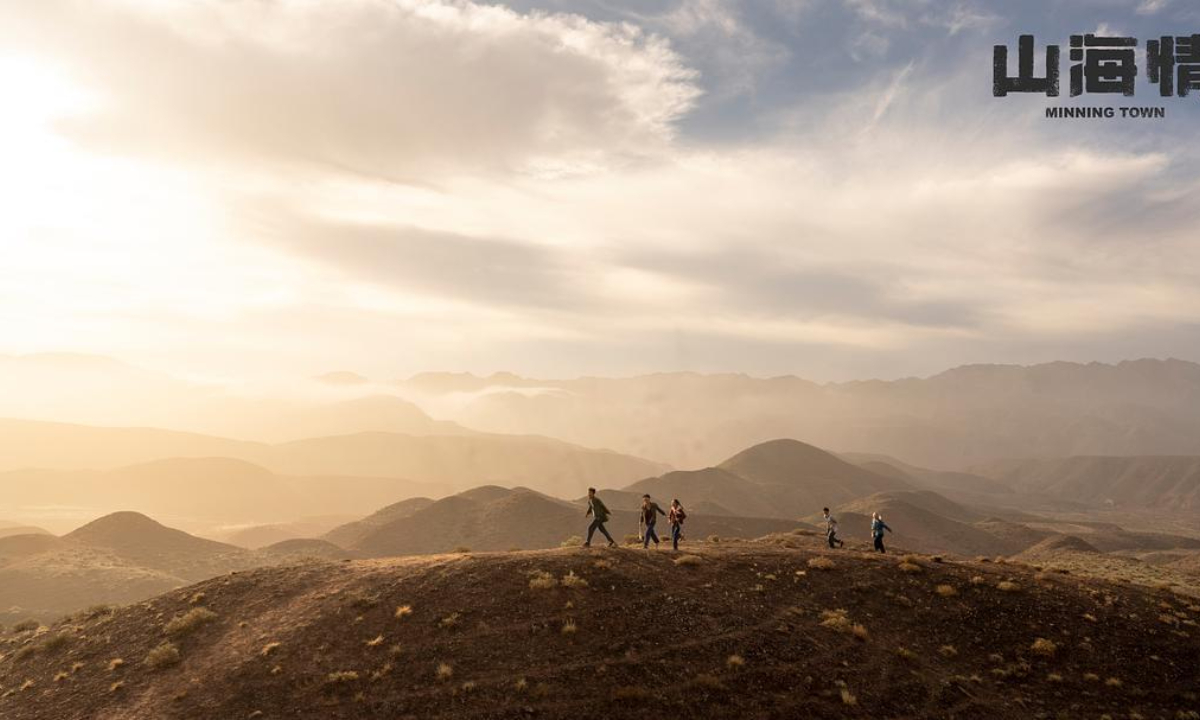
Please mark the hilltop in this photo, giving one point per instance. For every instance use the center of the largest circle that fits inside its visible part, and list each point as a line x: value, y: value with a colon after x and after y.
x: 777, y: 628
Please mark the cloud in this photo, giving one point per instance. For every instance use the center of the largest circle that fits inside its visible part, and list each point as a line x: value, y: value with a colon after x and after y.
x: 399, y: 90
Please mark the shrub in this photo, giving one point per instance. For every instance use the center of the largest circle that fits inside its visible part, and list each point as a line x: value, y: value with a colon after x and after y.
x: 56, y: 642
x: 689, y: 561
x: 163, y: 656
x: 189, y: 622
x: 444, y: 672
x: 821, y: 563
x: 403, y: 611
x: 571, y: 542
x: 946, y: 591
x: 1008, y: 586
x: 25, y: 626
x: 1045, y: 647
x: 733, y: 662
x: 542, y: 580
x: 571, y: 580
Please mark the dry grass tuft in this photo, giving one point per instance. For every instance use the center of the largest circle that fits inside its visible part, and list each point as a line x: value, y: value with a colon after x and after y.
x: 1054, y: 678
x: 569, y: 628
x: 116, y: 687
x: 689, y: 561
x: 444, y: 672
x: 1044, y: 647
x: 115, y: 664
x: 733, y: 662
x: 821, y: 563
x: 449, y: 622
x: 708, y: 682
x: 571, y: 580
x: 573, y: 541
x: 948, y: 651
x: 909, y: 567
x: 189, y: 622
x: 375, y: 641
x: 848, y: 698
x: 342, y: 676
x: 542, y: 580
x: 905, y: 654
x: 1008, y: 586
x: 268, y: 649
x: 163, y: 656
x: 602, y: 565
x: 946, y: 591
x: 403, y: 611
x: 978, y: 580
x: 462, y: 550
x: 1113, y: 682
x: 714, y: 538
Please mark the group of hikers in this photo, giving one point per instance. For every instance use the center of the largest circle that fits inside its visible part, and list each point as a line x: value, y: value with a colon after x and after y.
x: 878, y: 526
x: 649, y: 512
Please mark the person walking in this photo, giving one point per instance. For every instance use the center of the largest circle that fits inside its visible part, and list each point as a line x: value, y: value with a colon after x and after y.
x: 599, y: 514
x: 877, y: 528
x: 675, y: 516
x: 650, y: 513
x: 831, y: 527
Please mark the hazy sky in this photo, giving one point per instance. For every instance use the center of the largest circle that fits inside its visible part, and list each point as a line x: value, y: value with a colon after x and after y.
x: 818, y: 187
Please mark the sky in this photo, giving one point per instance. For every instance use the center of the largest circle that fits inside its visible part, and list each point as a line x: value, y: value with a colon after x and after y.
x: 826, y: 188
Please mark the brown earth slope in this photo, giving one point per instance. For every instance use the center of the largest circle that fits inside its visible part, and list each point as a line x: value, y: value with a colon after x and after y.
x: 746, y: 630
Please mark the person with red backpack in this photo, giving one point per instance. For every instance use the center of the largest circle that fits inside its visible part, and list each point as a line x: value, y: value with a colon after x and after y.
x: 675, y: 516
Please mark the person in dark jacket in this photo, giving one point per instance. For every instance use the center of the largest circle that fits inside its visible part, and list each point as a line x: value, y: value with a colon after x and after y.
x: 877, y: 528
x: 650, y: 513
x: 598, y: 511
x: 831, y: 531
x: 675, y: 516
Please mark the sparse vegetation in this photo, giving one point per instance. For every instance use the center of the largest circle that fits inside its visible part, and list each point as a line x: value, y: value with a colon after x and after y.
x: 542, y: 580
x: 189, y: 622
x: 341, y: 677
x: 164, y: 655
x: 571, y: 580
x: 839, y: 621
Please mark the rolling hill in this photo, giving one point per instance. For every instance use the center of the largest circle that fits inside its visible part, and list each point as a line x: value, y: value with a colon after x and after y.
x: 491, y: 518
x: 742, y: 630
x: 1162, y: 482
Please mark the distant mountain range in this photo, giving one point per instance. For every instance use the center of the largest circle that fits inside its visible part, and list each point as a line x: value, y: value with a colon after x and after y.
x: 192, y: 475
x: 961, y: 417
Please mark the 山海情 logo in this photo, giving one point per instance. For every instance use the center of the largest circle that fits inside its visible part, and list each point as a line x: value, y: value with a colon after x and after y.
x: 1102, y: 65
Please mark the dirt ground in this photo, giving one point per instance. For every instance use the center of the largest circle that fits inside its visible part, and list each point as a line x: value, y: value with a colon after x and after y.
x: 737, y: 630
